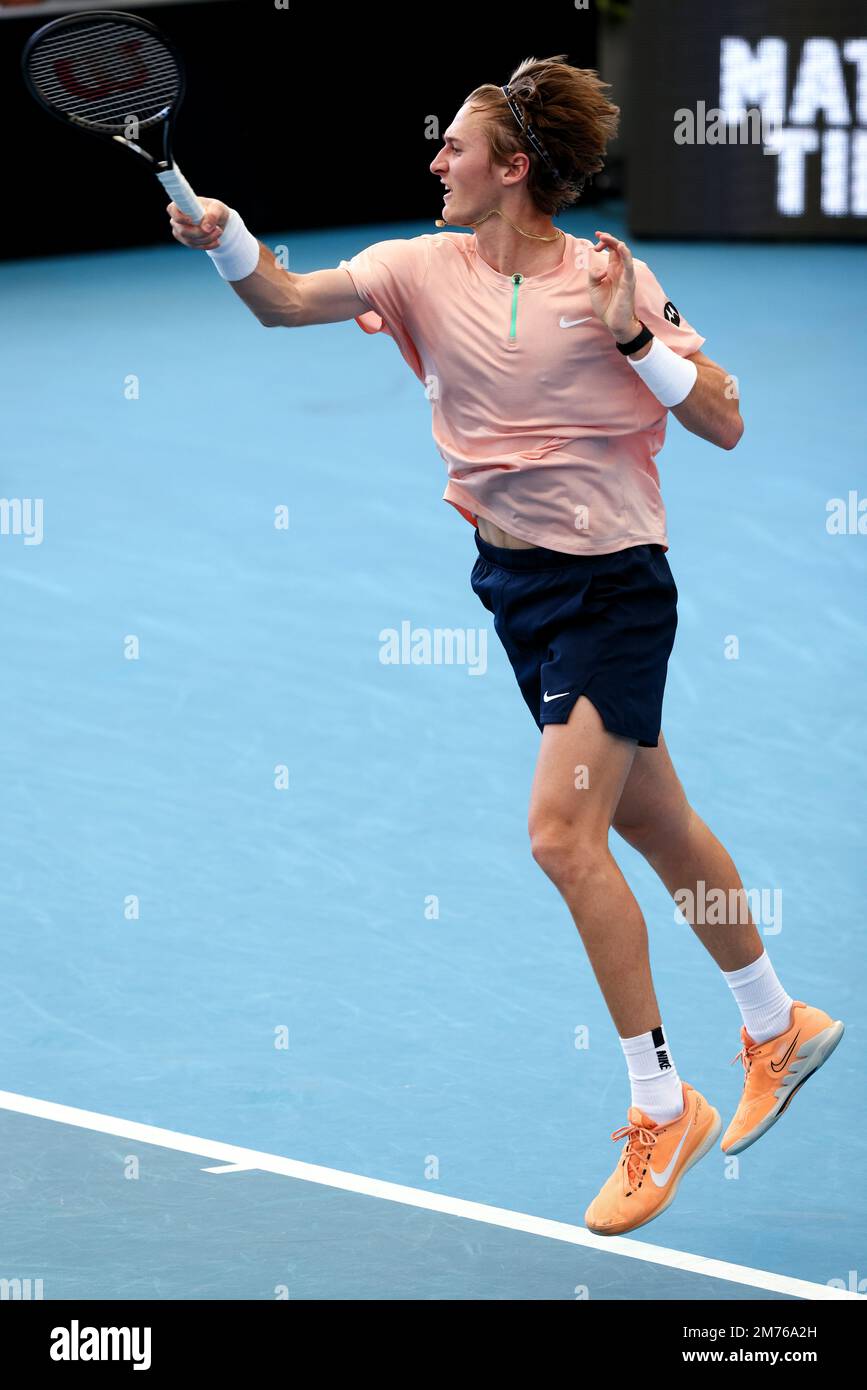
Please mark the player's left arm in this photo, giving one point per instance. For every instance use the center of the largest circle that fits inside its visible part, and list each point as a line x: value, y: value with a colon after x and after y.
x: 711, y: 409
x: 710, y: 406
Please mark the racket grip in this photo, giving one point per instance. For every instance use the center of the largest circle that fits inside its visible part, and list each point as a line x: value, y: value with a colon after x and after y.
x: 180, y: 192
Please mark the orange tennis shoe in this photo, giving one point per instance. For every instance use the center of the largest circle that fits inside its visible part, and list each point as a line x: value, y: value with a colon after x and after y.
x: 774, y: 1071
x: 652, y: 1163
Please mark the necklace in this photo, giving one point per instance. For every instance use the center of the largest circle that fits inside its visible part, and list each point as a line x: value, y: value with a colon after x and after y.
x: 534, y: 235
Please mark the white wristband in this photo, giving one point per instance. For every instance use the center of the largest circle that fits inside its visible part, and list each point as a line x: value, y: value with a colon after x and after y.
x: 669, y: 376
x: 238, y: 253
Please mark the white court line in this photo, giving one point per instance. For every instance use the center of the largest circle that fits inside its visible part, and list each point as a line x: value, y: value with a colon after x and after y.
x: 233, y: 1154
x: 230, y: 1168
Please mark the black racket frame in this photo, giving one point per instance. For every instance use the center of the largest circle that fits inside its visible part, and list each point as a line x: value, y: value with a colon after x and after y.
x: 166, y: 117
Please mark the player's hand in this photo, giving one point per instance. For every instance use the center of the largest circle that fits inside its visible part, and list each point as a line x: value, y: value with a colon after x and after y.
x: 611, y: 282
x: 202, y: 238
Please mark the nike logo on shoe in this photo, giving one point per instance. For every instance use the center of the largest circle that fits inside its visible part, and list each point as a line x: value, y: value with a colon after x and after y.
x: 546, y: 697
x: 662, y: 1178
x: 570, y: 323
x: 784, y: 1060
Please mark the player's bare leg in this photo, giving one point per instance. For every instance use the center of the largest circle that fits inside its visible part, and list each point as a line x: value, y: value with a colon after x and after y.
x: 579, y: 780
x: 654, y: 816
x: 785, y: 1041
x: 569, y: 839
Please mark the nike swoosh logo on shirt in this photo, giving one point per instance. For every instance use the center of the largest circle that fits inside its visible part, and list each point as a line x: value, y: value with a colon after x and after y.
x: 570, y: 323
x: 662, y: 1178
x: 783, y: 1062
x: 546, y: 697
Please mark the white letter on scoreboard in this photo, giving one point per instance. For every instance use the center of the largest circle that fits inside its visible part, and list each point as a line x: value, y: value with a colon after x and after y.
x: 792, y: 146
x: 855, y: 51
x: 819, y: 85
x: 747, y: 78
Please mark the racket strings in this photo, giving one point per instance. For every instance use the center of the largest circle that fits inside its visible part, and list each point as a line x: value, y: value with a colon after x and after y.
x: 102, y: 74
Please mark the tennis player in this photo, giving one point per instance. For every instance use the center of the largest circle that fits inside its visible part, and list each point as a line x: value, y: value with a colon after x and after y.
x: 551, y: 364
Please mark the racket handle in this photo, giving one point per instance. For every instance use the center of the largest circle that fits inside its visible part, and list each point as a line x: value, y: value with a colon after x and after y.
x: 180, y: 192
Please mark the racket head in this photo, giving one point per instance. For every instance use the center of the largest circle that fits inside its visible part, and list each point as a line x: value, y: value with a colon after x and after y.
x: 96, y: 69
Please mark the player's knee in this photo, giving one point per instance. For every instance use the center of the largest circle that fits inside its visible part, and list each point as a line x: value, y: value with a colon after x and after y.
x: 563, y: 849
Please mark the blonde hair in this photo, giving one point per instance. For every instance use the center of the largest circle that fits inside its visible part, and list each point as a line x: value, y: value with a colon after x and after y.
x: 571, y: 116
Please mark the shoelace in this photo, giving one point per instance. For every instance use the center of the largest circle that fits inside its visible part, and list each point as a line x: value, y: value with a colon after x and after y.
x: 746, y: 1056
x: 639, y: 1138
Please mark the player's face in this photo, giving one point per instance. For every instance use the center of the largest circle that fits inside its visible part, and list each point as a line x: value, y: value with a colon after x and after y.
x: 462, y: 163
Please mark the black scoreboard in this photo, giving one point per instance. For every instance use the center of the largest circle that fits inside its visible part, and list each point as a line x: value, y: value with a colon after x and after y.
x: 748, y: 118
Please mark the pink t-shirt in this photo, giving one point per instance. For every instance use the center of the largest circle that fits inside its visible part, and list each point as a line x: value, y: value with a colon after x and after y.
x: 545, y: 428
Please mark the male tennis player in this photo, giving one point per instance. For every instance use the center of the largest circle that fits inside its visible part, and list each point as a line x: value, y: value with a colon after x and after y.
x: 551, y: 365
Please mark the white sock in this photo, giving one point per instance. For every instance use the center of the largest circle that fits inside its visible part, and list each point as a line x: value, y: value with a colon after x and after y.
x: 765, y: 1006
x: 656, y: 1086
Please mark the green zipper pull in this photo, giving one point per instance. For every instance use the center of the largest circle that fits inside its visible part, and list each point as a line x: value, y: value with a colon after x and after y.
x: 516, y: 281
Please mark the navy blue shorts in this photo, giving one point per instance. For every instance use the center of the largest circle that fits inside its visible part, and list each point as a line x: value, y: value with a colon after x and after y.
x: 596, y: 625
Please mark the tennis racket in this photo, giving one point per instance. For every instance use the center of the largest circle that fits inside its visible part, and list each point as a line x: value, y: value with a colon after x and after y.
x: 119, y: 77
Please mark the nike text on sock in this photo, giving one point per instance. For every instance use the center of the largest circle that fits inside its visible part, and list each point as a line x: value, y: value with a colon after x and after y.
x: 653, y: 1079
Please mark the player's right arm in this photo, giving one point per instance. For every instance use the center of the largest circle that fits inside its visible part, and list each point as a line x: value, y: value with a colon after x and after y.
x: 278, y: 298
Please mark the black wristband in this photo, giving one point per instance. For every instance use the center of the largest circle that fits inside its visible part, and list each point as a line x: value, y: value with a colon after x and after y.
x: 643, y: 337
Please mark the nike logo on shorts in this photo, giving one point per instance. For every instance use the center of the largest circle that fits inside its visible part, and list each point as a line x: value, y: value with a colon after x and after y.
x: 662, y: 1178
x: 546, y: 697
x: 570, y: 323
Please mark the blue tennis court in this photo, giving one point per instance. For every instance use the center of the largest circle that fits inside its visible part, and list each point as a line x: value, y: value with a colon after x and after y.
x: 264, y: 888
